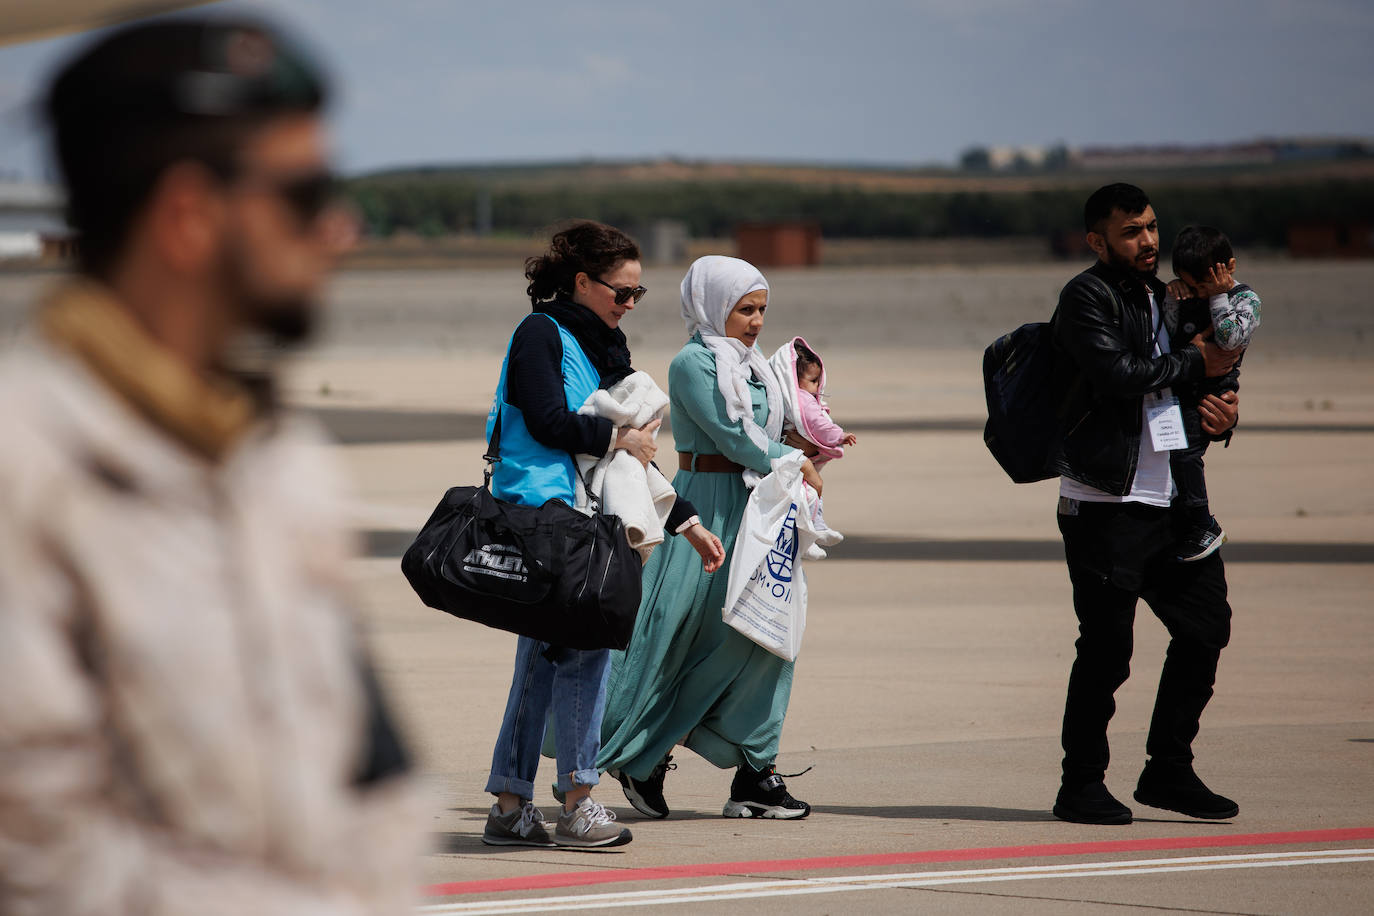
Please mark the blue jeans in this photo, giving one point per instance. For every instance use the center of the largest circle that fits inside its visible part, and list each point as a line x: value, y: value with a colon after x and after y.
x: 571, y: 682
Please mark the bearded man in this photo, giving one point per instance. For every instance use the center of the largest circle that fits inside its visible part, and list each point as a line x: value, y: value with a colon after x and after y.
x: 1115, y: 370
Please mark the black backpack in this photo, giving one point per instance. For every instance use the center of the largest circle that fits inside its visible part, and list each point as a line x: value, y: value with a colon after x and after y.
x: 1022, y: 431
x: 1025, y: 402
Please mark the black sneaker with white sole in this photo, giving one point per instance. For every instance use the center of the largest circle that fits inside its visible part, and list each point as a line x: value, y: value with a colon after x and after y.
x: 646, y: 795
x: 1200, y: 543
x: 762, y: 793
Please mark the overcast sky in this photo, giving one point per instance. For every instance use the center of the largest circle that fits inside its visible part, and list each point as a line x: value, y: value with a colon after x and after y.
x: 856, y: 81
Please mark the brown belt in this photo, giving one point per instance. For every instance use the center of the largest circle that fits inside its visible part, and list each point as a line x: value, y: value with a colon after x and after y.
x: 711, y: 464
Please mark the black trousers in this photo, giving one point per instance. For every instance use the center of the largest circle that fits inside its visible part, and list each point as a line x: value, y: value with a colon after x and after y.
x: 1117, y: 554
x: 1189, y: 472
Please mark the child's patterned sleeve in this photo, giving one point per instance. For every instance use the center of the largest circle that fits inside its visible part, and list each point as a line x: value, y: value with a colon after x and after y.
x: 1235, y: 316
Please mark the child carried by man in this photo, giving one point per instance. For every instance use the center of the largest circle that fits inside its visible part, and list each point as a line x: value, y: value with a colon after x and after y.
x: 1205, y: 299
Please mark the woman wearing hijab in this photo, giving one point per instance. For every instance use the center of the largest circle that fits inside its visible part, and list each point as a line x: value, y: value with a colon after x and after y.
x: 686, y: 673
x: 568, y: 347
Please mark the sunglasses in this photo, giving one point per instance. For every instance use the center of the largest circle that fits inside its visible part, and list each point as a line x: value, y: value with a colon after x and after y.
x: 307, y: 195
x: 623, y: 294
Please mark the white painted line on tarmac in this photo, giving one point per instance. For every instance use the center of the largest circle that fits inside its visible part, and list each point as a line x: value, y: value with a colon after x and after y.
x: 851, y: 883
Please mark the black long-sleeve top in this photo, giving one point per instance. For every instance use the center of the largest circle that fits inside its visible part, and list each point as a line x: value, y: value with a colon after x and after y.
x: 534, y: 384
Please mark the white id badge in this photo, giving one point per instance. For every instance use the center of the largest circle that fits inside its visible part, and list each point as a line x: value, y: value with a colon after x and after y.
x: 1166, y: 424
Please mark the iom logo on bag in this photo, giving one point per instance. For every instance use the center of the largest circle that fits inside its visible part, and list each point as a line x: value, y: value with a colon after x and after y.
x: 784, y: 552
x: 501, y: 560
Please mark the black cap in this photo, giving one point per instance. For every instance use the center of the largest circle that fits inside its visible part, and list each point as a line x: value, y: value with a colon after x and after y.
x: 187, y: 68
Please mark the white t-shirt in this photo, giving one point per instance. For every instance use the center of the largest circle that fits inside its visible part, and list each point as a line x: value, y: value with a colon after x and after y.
x: 1153, y: 484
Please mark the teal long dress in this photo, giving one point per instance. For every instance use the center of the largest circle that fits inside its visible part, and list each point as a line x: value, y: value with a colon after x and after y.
x: 687, y: 677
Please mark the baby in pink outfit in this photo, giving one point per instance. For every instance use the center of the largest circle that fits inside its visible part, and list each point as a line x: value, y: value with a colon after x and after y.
x: 801, y: 375
x: 815, y: 425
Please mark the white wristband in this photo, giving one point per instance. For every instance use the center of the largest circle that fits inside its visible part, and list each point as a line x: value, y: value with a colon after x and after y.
x: 694, y: 520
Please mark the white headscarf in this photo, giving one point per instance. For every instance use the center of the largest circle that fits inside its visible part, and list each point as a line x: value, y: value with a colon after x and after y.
x: 712, y: 287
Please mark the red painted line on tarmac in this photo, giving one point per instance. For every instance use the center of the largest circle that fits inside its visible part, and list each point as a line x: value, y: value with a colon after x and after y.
x: 718, y: 869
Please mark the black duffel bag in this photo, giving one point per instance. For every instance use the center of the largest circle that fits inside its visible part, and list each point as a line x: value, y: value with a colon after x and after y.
x: 549, y: 572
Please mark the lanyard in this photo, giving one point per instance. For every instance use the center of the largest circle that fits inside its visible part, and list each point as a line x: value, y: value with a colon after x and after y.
x: 1158, y: 309
x: 1158, y: 350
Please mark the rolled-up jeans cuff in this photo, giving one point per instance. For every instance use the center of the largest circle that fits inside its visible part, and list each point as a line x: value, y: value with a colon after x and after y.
x: 521, y: 787
x: 569, y: 781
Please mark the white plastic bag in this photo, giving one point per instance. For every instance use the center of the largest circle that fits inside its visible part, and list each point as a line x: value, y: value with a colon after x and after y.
x: 765, y: 597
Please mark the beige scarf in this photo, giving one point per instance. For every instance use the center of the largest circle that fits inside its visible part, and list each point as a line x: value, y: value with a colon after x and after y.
x: 208, y: 415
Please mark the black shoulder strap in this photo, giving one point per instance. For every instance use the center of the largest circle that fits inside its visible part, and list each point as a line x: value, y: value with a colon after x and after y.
x: 493, y: 453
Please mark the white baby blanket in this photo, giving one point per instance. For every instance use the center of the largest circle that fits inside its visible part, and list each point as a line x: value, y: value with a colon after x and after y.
x: 642, y: 497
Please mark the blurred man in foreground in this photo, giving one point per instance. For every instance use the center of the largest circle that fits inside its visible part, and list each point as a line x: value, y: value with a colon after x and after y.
x: 188, y: 723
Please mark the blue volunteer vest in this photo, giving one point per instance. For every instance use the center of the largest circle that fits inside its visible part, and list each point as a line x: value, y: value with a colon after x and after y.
x: 529, y: 472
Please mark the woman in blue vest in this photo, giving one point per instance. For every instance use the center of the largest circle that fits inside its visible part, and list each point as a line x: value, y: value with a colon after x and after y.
x: 568, y: 347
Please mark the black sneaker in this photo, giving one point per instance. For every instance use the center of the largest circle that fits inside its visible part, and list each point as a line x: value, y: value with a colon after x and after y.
x: 762, y: 793
x: 1179, y: 789
x: 1090, y: 804
x: 646, y: 795
x: 1200, y: 543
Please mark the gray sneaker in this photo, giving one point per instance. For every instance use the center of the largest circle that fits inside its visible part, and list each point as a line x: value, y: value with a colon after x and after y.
x: 589, y: 825
x: 523, y: 826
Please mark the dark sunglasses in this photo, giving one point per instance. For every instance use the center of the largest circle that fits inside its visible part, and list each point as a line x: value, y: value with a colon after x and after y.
x: 623, y: 294
x: 307, y: 195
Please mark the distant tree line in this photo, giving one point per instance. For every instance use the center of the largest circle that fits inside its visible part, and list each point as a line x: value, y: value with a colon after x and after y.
x: 435, y: 205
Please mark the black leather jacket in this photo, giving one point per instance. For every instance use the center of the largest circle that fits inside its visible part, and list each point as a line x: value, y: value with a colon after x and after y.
x: 1104, y: 368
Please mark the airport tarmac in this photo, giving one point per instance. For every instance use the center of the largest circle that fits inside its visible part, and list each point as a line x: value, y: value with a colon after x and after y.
x: 929, y: 691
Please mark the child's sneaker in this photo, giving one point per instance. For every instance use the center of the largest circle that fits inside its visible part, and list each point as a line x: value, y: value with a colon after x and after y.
x: 1199, y: 543
x: 647, y: 794
x: 523, y: 826
x: 762, y: 793
x: 589, y: 825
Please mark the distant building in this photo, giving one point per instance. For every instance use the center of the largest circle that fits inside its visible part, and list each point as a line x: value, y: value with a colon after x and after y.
x: 795, y: 244
x: 1008, y: 158
x: 663, y: 241
x: 31, y: 223
x: 1332, y: 239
